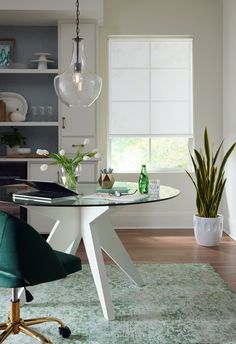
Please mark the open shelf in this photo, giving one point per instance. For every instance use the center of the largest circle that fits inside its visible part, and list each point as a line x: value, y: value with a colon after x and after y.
x: 28, y: 124
x: 27, y: 71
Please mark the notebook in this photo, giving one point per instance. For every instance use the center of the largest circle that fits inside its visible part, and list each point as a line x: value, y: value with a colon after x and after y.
x: 122, y: 189
x: 44, y: 192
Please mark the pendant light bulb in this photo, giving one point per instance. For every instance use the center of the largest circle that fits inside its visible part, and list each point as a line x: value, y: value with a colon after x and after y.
x: 76, y: 86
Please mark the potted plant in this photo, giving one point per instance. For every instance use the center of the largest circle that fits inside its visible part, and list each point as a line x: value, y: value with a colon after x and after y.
x: 209, y: 183
x: 13, y: 139
x: 69, y: 167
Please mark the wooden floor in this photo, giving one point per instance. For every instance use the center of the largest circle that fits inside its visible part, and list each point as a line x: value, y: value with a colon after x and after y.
x: 176, y: 246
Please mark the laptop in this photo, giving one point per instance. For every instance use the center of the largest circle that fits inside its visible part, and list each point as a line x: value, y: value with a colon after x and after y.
x: 43, y: 192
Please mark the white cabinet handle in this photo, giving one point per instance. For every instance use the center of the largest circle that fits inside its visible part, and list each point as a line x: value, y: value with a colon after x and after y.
x: 63, y: 122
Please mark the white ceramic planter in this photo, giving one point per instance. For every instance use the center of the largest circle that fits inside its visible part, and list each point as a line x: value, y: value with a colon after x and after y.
x: 208, y: 231
x: 12, y: 150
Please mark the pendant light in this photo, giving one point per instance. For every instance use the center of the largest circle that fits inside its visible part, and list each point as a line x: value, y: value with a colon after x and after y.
x: 77, y: 87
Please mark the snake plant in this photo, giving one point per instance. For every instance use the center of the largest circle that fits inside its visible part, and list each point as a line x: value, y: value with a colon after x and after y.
x: 209, y: 178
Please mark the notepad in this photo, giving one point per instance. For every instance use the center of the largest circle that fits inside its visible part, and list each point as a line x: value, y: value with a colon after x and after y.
x: 121, y: 189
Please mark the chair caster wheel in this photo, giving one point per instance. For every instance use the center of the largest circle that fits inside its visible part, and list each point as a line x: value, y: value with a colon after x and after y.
x: 65, y: 332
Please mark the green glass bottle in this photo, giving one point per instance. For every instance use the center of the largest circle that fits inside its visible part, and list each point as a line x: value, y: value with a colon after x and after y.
x: 143, y: 180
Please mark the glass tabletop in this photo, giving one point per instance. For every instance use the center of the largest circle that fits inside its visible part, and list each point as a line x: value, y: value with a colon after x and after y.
x: 88, y: 196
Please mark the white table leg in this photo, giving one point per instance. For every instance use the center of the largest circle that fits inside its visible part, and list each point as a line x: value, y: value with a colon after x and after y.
x: 65, y: 236
x: 111, y: 244
x: 94, y: 226
x: 94, y: 253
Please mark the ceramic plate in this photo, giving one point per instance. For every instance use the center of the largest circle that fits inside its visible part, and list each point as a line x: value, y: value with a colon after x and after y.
x: 14, y: 101
x: 48, y: 61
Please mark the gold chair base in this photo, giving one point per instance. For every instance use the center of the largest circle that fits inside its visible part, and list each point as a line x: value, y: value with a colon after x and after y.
x: 16, y: 325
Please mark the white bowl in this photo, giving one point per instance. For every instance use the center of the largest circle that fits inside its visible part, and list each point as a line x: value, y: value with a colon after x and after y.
x: 24, y: 150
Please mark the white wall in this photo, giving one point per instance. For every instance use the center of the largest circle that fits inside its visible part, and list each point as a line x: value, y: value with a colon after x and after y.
x: 229, y: 110
x: 201, y: 19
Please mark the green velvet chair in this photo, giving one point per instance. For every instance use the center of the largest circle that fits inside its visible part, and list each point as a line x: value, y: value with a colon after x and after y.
x: 26, y: 259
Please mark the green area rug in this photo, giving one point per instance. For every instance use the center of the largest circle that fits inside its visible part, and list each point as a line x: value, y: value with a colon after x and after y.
x: 180, y: 304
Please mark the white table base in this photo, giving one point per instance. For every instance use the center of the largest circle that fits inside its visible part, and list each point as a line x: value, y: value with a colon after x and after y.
x: 92, y: 224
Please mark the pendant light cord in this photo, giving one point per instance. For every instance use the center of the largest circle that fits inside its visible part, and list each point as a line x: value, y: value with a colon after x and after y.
x: 77, y: 65
x: 77, y: 19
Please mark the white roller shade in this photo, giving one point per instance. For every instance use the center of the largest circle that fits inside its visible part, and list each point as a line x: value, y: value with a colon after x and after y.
x: 150, y: 86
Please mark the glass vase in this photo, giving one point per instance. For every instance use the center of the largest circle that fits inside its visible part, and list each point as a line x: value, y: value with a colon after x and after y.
x: 70, y: 176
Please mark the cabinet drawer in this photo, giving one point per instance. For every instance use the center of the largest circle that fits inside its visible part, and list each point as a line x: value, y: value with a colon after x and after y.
x: 34, y: 172
x: 89, y: 172
x: 69, y: 144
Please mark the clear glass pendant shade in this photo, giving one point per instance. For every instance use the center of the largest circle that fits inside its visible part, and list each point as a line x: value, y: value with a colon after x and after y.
x: 77, y: 87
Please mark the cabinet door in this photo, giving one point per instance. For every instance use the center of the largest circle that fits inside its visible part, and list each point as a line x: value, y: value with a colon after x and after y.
x: 70, y: 144
x: 35, y: 173
x: 77, y: 121
x: 42, y: 224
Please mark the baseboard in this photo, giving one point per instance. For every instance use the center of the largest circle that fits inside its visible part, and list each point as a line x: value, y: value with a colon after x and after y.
x: 152, y: 220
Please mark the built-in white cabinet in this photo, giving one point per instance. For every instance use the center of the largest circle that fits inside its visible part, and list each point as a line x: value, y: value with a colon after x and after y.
x: 70, y: 126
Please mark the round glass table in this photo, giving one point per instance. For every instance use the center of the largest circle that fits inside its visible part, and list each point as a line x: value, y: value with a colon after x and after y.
x: 87, y: 217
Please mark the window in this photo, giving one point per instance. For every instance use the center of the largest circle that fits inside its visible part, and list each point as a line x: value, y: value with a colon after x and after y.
x: 150, y: 103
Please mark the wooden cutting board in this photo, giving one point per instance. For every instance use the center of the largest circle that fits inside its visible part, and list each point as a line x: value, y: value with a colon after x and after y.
x: 29, y: 155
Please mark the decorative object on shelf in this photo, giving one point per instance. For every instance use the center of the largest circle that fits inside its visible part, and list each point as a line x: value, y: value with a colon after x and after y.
x: 42, y: 60
x: 76, y: 86
x: 50, y: 112
x: 13, y: 139
x: 106, y: 179
x: 69, y: 167
x: 13, y: 102
x: 25, y: 150
x: 16, y: 116
x: 209, y: 184
x: 7, y: 48
x: 3, y: 112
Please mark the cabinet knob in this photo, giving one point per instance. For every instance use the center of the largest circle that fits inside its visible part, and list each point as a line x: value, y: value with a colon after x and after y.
x: 63, y: 122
